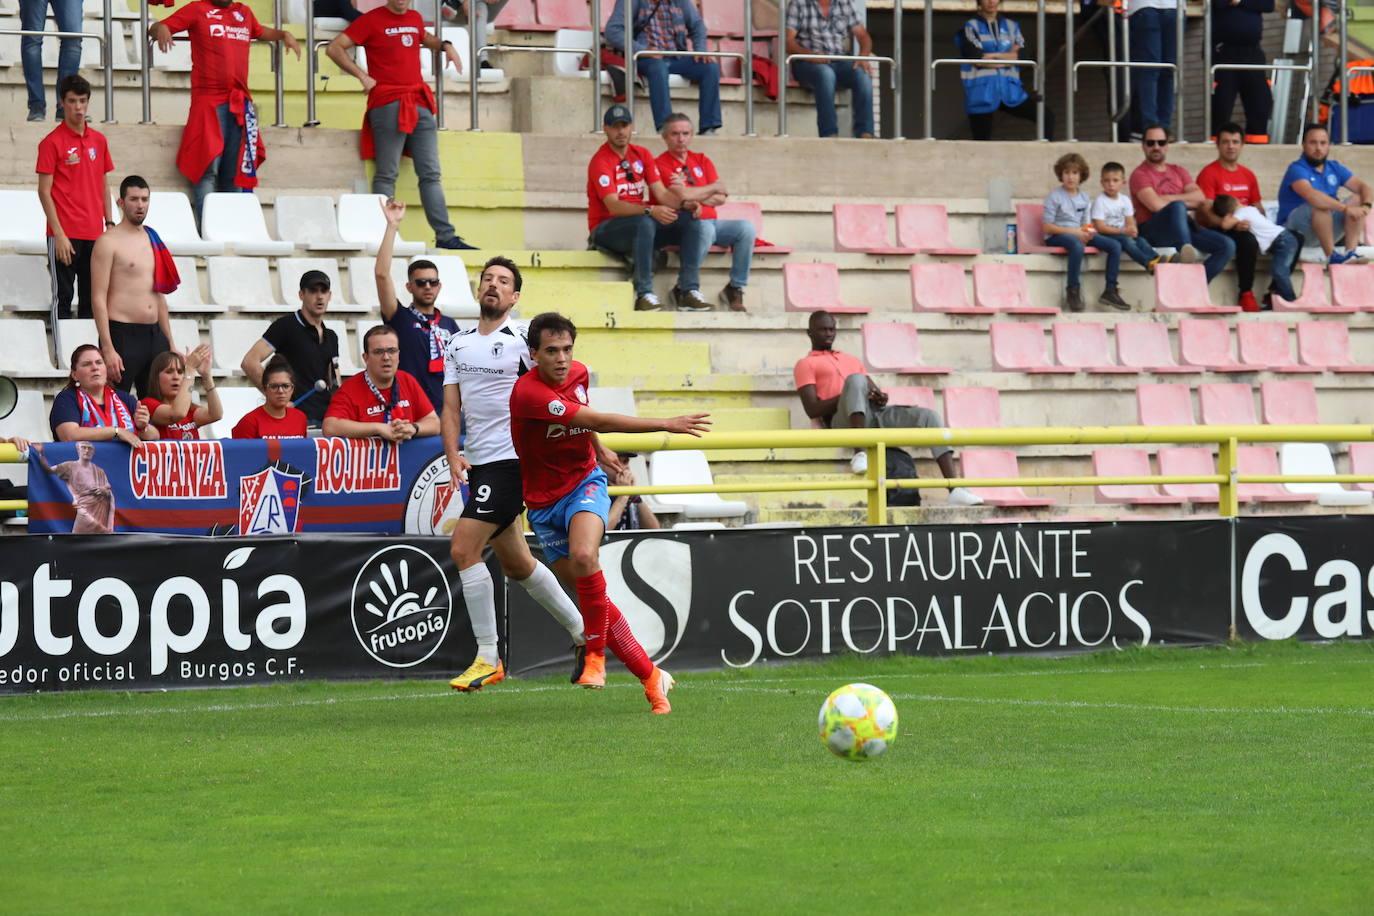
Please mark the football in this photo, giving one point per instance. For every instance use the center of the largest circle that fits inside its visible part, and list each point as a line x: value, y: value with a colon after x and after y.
x: 858, y: 722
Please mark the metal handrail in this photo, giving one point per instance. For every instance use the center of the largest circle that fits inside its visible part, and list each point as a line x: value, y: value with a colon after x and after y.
x: 278, y: 89
x: 1310, y: 68
x: 105, y: 55
x: 1180, y: 17
x: 964, y: 61
x: 1110, y: 64
x: 1269, y: 67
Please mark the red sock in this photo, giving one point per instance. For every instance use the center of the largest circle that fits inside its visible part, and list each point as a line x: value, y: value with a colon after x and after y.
x: 592, y: 602
x: 624, y: 644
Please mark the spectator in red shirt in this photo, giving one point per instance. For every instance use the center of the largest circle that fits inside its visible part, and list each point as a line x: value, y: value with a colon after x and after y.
x: 621, y: 216
x: 693, y: 177
x: 221, y: 145
x: 382, y: 400
x: 277, y: 419
x: 170, y: 409
x: 1164, y: 196
x: 400, y: 105
x: 73, y: 161
x: 1227, y: 176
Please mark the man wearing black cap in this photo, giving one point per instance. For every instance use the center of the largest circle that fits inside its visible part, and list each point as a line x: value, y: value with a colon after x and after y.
x: 311, y: 348
x: 622, y: 216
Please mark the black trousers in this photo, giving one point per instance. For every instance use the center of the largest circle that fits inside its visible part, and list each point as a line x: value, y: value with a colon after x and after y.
x: 137, y: 345
x: 981, y: 124
x: 71, y: 278
x: 1251, y: 85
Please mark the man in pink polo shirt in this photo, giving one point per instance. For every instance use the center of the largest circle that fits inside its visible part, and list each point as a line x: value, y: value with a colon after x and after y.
x: 832, y: 383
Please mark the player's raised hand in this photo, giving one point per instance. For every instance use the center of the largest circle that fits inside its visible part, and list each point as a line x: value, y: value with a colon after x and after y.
x: 691, y: 424
x: 394, y: 210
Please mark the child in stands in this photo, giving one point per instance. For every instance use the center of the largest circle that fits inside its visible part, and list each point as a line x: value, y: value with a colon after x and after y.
x: 1113, y: 217
x: 1067, y: 225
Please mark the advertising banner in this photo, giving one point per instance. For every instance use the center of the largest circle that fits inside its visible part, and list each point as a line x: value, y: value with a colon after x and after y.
x: 243, y: 487
x: 149, y: 611
x: 738, y: 598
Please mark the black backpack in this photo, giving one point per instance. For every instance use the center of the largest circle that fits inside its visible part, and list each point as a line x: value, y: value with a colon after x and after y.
x: 901, y: 467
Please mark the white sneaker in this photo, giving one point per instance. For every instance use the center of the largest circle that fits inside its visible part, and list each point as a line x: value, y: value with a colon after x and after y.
x: 859, y: 463
x: 961, y: 497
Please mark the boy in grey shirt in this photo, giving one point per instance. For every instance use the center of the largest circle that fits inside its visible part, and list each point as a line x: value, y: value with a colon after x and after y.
x: 1067, y: 224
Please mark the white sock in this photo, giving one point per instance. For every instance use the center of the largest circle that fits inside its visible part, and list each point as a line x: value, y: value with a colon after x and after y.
x: 543, y: 587
x: 479, y: 594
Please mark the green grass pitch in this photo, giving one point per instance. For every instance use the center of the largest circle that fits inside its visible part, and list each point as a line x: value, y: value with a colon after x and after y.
x: 1218, y: 780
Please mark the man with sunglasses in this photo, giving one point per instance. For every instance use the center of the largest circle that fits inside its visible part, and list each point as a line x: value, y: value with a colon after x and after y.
x: 622, y: 217
x: 382, y: 400
x: 1164, y: 196
x: 422, y: 330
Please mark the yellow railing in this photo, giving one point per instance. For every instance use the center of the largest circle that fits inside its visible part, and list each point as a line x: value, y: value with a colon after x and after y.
x: 875, y: 483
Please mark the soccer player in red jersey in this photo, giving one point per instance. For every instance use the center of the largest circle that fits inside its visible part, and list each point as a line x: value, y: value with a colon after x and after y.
x: 565, y: 490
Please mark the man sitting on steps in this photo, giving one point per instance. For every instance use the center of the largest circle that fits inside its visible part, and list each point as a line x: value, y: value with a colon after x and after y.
x: 830, y: 382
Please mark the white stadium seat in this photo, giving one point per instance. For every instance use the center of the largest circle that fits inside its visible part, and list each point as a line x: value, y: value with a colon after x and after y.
x: 26, y: 349
x: 25, y: 284
x: 169, y: 212
x: 186, y: 297
x: 361, y: 221
x: 688, y: 467
x: 24, y: 227
x: 236, y: 400
x: 231, y: 339
x: 364, y: 286
x: 308, y: 221
x: 236, y: 220
x: 455, y: 296
x: 245, y: 284
x: 29, y: 420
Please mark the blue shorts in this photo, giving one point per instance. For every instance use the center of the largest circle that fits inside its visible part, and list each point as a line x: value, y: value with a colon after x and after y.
x: 551, y: 523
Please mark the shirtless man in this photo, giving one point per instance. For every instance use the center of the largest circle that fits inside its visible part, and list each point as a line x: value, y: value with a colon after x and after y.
x: 90, y: 489
x: 131, y: 321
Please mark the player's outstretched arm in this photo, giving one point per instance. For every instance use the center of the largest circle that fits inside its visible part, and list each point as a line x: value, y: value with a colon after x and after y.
x: 690, y: 424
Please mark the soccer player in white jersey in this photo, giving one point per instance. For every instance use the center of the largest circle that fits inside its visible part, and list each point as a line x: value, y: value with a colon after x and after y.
x: 481, y: 365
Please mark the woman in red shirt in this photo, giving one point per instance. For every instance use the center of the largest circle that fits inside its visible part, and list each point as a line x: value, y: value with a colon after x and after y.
x: 169, y: 380
x: 277, y: 419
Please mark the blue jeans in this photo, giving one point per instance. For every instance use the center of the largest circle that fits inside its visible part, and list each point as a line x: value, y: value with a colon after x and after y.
x: 694, y: 237
x: 1284, y: 250
x: 738, y: 236
x: 1137, y: 249
x: 1172, y: 226
x: 655, y: 71
x: 423, y: 145
x: 632, y: 236
x: 1153, y: 39
x: 33, y: 15
x: 1109, y: 246
x: 823, y: 79
x: 219, y: 175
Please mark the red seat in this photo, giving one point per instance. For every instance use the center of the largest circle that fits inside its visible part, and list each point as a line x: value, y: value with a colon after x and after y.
x: 997, y: 464
x: 1019, y: 346
x: 1003, y: 288
x: 973, y: 407
x: 1179, y: 462
x: 910, y: 396
x: 1207, y: 344
x: 1127, y: 462
x: 937, y: 287
x: 726, y: 17
x: 1352, y: 286
x: 751, y: 213
x: 1083, y: 345
x: 894, y: 346
x: 1313, y: 297
x: 1264, y: 459
x: 1145, y: 345
x: 519, y: 15
x: 863, y: 227
x: 1362, y: 462
x: 1227, y: 404
x: 925, y: 228
x: 1326, y: 345
x: 1265, y: 343
x: 1289, y: 403
x: 1183, y: 288
x: 808, y: 287
x: 1030, y: 232
x: 563, y: 14
x: 1164, y: 405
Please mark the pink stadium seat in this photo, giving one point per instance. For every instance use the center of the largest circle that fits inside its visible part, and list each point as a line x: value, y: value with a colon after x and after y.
x: 1083, y: 345
x: 808, y: 287
x: 894, y: 346
x: 563, y: 14
x: 1183, y: 288
x: 997, y: 464
x: 1289, y: 403
x: 1352, y: 286
x: 1264, y: 459
x: 972, y: 407
x: 726, y: 17
x: 1326, y: 345
x: 1003, y: 288
x: 753, y: 213
x: 1265, y: 343
x: 1145, y: 345
x: 1177, y: 462
x: 937, y: 287
x: 1227, y: 404
x: 911, y: 396
x: 1030, y: 232
x: 1164, y: 405
x: 1314, y: 297
x: 729, y: 66
x: 1206, y: 343
x: 925, y: 228
x: 519, y: 15
x: 1019, y: 346
x: 863, y: 227
x: 1127, y: 462
x: 1362, y: 462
